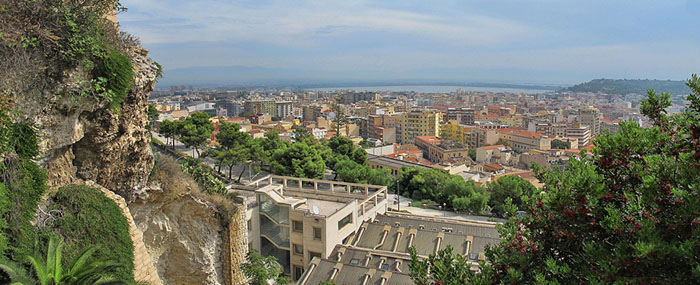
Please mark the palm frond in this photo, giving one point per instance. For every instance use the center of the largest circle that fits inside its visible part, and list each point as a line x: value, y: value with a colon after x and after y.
x: 17, y: 274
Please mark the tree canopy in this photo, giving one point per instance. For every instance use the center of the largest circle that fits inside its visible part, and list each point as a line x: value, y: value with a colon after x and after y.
x: 513, y: 187
x: 439, y: 186
x: 196, y: 130
x: 261, y: 269
x: 299, y: 160
x: 627, y: 214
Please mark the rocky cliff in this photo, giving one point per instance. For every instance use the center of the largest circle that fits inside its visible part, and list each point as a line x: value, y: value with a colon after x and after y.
x: 183, y: 236
x: 83, y: 139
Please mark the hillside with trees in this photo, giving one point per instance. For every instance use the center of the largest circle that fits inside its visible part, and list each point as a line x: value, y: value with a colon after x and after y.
x: 628, y: 86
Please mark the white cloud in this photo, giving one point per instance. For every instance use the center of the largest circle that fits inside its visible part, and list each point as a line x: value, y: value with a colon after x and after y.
x: 299, y: 25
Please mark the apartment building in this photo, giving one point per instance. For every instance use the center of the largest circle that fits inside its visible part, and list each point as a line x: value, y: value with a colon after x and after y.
x: 463, y: 115
x: 283, y: 109
x: 496, y: 154
x: 441, y: 151
x: 523, y: 141
x: 463, y: 134
x: 384, y: 134
x: 577, y: 132
x: 580, y: 133
x: 418, y: 123
x: 486, y: 136
x: 298, y: 219
x: 260, y: 107
x: 590, y: 116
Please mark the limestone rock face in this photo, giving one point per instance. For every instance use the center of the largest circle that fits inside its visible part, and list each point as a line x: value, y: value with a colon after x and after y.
x: 183, y: 235
x: 80, y: 138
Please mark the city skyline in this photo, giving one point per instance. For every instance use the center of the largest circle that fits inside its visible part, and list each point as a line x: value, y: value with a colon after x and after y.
x: 523, y: 42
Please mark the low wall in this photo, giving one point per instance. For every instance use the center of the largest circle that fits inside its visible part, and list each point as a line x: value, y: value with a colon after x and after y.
x: 236, y: 240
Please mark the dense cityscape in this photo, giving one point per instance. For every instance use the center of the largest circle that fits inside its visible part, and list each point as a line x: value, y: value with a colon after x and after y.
x: 349, y: 142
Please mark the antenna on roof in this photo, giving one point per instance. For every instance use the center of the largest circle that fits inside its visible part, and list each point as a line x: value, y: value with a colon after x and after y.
x: 315, y: 210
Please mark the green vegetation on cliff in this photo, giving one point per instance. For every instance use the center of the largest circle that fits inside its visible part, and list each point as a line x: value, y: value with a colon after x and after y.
x: 627, y: 86
x: 86, y: 217
x: 45, y: 44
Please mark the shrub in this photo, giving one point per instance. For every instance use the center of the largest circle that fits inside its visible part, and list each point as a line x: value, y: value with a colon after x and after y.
x: 4, y: 207
x: 175, y: 182
x: 116, y: 68
x: 25, y: 184
x: 90, y: 218
x: 24, y: 140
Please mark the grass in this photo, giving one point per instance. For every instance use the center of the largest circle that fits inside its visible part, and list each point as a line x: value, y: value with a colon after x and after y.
x: 90, y: 218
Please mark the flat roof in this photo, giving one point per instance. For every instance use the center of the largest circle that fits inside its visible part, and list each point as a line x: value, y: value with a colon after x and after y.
x: 325, y: 208
x: 388, y: 161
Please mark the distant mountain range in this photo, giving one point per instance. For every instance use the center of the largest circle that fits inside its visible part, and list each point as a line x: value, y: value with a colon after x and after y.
x: 628, y: 86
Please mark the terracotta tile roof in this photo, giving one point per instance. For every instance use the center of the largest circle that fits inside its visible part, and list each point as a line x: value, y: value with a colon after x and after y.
x: 429, y: 139
x: 489, y: 147
x: 493, y: 166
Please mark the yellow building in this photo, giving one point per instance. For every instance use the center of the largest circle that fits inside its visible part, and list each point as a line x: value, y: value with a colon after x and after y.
x: 523, y: 141
x: 418, y: 123
x: 459, y: 133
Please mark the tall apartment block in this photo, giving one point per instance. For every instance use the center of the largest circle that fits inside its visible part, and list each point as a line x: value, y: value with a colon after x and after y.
x: 418, y: 123
x: 260, y: 107
x: 283, y: 109
x: 590, y: 116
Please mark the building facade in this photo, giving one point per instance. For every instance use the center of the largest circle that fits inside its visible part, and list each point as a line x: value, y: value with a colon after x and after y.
x: 590, y: 116
x: 523, y: 141
x: 418, y: 123
x: 283, y: 109
x: 260, y: 107
x: 297, y: 219
x: 440, y: 151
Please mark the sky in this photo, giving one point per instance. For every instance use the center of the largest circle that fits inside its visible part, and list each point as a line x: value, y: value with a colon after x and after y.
x: 509, y: 41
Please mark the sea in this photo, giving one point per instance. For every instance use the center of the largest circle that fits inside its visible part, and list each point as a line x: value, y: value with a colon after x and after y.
x: 432, y: 89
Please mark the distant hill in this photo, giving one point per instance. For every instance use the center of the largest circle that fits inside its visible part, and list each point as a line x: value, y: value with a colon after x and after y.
x: 627, y: 86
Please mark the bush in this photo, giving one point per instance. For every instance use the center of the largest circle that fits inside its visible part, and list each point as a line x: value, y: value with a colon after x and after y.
x: 116, y: 68
x: 175, y: 183
x: 25, y: 183
x: 90, y: 218
x: 204, y: 175
x: 24, y: 140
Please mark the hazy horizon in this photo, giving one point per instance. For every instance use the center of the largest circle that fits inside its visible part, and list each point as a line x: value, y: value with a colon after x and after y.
x: 537, y: 42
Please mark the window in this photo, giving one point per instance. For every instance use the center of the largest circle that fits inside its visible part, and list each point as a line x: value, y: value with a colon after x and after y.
x: 250, y: 224
x: 298, y: 226
x: 298, y: 249
x: 298, y: 272
x: 345, y: 221
x: 314, y: 254
x: 317, y: 233
x: 354, y: 261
